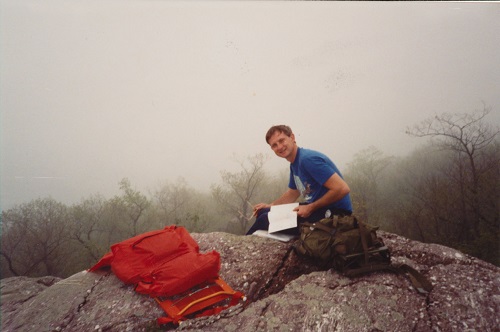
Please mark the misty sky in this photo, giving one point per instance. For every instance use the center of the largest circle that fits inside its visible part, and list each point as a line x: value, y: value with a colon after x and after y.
x: 95, y: 91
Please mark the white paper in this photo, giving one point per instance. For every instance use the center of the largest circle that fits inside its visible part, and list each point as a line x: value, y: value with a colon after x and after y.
x: 275, y: 236
x: 282, y: 217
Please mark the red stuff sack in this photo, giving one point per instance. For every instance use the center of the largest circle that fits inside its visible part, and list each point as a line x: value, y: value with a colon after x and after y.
x: 162, y: 262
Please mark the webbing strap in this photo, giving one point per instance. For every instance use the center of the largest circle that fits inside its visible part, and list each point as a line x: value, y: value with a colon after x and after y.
x: 362, y: 234
x: 205, y: 298
x: 369, y: 268
x: 321, y: 226
x: 421, y: 283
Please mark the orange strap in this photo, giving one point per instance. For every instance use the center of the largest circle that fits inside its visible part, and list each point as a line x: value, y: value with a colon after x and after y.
x: 216, y: 291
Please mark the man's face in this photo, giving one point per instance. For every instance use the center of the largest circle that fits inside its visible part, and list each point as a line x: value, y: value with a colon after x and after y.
x: 283, y: 145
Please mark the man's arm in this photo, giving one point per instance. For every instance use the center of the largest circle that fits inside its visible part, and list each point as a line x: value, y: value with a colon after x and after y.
x: 337, y: 189
x: 288, y: 196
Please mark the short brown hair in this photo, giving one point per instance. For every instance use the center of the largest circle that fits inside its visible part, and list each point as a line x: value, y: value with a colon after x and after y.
x: 280, y: 128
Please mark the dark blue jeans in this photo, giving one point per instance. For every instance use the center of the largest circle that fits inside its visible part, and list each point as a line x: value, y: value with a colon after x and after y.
x: 262, y: 221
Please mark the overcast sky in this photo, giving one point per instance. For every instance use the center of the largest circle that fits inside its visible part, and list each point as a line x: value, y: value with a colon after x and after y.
x: 95, y: 91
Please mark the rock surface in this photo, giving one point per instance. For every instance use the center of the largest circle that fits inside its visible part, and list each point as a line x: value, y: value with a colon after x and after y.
x: 285, y: 293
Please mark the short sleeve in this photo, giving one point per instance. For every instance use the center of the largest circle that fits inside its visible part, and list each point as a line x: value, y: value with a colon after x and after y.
x: 318, y: 168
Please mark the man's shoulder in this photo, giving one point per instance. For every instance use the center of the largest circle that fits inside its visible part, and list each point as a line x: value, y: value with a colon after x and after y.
x: 313, y: 159
x: 309, y: 153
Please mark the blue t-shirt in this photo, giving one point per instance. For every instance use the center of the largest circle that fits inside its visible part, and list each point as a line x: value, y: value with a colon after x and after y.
x: 309, y: 171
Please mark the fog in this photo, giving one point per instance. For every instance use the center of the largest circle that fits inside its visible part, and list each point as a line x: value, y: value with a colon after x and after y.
x: 96, y: 91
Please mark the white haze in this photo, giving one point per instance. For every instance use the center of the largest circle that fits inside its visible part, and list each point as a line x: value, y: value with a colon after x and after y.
x: 96, y: 91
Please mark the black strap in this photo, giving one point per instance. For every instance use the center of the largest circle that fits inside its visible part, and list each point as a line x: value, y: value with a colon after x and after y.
x: 369, y: 268
x: 420, y: 282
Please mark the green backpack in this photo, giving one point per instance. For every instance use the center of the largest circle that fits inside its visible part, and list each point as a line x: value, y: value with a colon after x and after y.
x: 351, y: 247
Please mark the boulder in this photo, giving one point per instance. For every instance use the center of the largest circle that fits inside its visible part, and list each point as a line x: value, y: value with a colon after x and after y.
x: 284, y: 293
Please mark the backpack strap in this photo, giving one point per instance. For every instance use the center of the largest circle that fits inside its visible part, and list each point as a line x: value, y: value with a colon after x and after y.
x: 363, y: 234
x: 321, y: 226
x: 421, y: 283
x: 369, y: 268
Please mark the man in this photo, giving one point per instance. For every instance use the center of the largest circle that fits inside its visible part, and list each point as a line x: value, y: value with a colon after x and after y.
x: 312, y: 175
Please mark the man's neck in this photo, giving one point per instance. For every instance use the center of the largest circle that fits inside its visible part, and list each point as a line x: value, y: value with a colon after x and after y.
x: 292, y: 157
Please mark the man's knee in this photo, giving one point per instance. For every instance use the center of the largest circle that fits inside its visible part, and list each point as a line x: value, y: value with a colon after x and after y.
x: 261, y: 223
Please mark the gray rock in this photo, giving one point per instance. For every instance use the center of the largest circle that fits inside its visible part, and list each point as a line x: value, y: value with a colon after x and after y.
x: 285, y: 293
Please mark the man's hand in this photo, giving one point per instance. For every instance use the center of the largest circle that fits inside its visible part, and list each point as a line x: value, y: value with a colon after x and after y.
x: 304, y: 211
x: 260, y: 206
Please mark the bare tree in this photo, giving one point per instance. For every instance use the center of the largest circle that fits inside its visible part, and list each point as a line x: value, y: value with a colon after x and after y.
x: 35, y: 237
x: 426, y: 204
x: 364, y: 174
x: 472, y: 176
x: 235, y: 196
x: 171, y: 199
x: 177, y: 203
x: 88, y: 219
x: 134, y: 204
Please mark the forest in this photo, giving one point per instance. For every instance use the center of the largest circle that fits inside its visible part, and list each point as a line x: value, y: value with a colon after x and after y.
x: 445, y: 192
